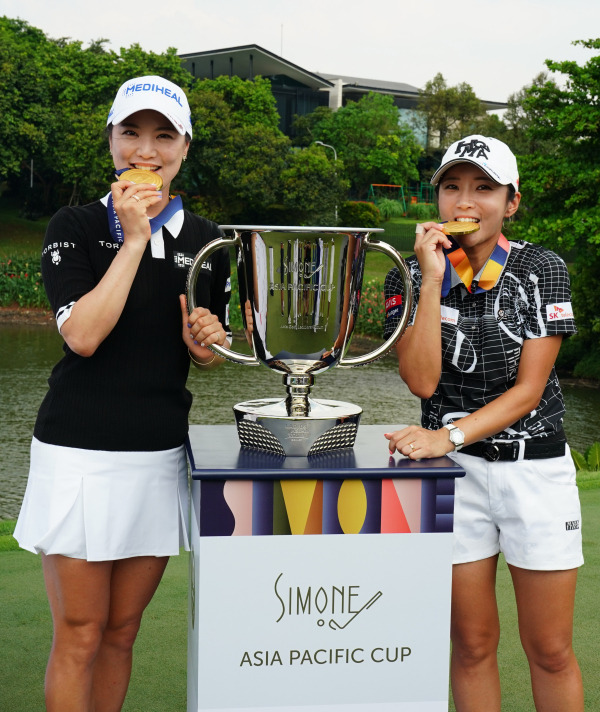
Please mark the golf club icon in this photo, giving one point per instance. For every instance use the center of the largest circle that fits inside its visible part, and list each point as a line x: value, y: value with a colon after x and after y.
x: 336, y: 626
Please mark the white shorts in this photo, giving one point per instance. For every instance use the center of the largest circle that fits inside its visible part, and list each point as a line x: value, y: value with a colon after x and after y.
x: 103, y: 506
x: 528, y: 509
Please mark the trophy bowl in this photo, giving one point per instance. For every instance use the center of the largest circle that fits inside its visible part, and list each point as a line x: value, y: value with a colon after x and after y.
x: 299, y: 291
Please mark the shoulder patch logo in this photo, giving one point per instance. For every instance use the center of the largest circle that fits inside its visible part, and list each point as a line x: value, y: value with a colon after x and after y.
x: 557, y: 312
x: 393, y: 306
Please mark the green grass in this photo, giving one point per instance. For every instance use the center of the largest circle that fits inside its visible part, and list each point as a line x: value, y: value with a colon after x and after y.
x: 159, y: 675
x: 588, y: 480
x: 378, y: 265
x: 158, y: 682
x: 18, y: 234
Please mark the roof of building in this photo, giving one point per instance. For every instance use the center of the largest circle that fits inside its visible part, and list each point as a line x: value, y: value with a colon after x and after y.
x: 399, y: 89
x: 378, y: 85
x: 249, y: 61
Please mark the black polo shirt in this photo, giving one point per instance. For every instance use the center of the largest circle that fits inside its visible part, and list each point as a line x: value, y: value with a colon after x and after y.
x: 131, y: 394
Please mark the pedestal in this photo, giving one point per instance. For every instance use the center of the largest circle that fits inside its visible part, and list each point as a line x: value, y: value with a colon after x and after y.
x: 318, y: 584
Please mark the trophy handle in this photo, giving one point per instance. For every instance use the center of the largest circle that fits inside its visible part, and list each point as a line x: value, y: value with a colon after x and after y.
x: 192, y: 278
x: 395, y: 256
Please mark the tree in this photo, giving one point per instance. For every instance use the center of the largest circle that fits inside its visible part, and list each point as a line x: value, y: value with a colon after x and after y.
x: 53, y: 108
x: 562, y: 187
x: 313, y: 187
x: 242, y: 168
x: 449, y: 113
x: 25, y: 97
x: 519, y: 121
x: 567, y: 117
x: 56, y: 98
x: 368, y: 138
x: 238, y: 151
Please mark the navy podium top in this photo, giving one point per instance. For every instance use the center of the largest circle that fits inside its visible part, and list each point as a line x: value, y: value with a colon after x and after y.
x: 214, y: 453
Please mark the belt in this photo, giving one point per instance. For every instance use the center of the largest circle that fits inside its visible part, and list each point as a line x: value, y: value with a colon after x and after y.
x: 534, y: 449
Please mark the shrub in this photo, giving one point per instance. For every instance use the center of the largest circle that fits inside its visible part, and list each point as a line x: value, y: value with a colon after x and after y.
x: 357, y: 214
x: 589, y: 461
x: 589, y: 365
x: 371, y: 310
x: 21, y: 283
x: 389, y: 208
x: 422, y: 211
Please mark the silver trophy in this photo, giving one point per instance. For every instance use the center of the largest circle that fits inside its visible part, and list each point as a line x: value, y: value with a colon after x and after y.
x: 299, y: 295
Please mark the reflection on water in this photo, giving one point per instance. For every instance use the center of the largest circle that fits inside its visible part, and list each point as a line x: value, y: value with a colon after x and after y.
x: 27, y: 355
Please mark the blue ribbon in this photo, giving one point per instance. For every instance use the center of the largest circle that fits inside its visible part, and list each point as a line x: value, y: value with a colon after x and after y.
x: 447, y: 281
x: 114, y: 224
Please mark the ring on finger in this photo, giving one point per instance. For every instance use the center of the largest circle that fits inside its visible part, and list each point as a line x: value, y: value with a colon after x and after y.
x: 411, y: 446
x: 135, y: 196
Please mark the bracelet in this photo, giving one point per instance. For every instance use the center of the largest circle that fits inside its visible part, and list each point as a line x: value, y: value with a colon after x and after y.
x: 200, y: 363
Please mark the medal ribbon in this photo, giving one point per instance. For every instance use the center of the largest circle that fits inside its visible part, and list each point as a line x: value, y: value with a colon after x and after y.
x: 457, y: 259
x: 114, y: 224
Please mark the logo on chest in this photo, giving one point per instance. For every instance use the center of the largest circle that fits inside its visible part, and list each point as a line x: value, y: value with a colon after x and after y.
x: 449, y: 315
x: 184, y: 260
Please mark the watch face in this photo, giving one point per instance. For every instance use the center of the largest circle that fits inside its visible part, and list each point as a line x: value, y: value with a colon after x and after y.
x: 457, y: 436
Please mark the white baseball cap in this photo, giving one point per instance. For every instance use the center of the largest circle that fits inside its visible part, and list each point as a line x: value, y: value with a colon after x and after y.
x: 493, y: 156
x: 152, y: 93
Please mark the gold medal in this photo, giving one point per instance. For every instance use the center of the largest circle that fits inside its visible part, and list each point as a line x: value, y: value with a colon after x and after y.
x: 457, y: 228
x: 137, y: 175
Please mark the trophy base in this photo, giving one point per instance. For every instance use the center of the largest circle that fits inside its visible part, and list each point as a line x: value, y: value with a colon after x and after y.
x: 265, y: 425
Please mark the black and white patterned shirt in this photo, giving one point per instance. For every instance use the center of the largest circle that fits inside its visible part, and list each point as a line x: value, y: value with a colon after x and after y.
x: 483, y: 334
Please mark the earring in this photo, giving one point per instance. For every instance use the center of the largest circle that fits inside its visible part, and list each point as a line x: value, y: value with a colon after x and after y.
x: 185, y: 157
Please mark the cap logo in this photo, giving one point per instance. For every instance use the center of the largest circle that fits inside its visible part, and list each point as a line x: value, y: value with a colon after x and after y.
x: 474, y: 149
x: 133, y: 88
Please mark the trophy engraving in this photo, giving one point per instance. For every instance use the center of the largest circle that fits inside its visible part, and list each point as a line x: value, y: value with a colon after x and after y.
x: 299, y: 295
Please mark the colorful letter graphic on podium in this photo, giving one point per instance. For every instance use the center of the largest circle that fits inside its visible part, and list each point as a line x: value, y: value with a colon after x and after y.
x: 280, y: 507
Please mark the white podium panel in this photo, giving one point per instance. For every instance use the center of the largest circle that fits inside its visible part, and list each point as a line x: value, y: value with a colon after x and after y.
x: 320, y: 585
x: 341, y: 622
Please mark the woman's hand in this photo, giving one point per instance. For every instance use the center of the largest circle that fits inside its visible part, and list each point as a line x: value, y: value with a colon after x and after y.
x: 429, y: 249
x: 420, y: 348
x: 417, y: 443
x: 95, y: 314
x: 131, y: 202
x: 201, y: 329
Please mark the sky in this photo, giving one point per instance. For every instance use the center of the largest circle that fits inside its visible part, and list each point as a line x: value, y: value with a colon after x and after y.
x: 495, y: 46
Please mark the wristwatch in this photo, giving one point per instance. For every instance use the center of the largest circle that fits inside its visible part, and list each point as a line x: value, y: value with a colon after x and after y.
x: 456, y: 435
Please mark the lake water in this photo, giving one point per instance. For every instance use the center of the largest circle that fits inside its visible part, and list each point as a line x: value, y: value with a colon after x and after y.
x: 27, y: 355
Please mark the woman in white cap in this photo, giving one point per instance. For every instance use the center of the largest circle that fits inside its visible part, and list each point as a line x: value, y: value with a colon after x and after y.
x: 487, y: 324
x: 106, y: 498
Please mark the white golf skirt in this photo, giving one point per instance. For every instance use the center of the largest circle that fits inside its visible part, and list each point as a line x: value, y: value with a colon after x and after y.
x: 102, y: 505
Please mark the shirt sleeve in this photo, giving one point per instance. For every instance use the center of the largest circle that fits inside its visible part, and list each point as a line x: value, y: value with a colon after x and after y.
x: 66, y: 268
x: 548, y: 309
x: 395, y: 297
